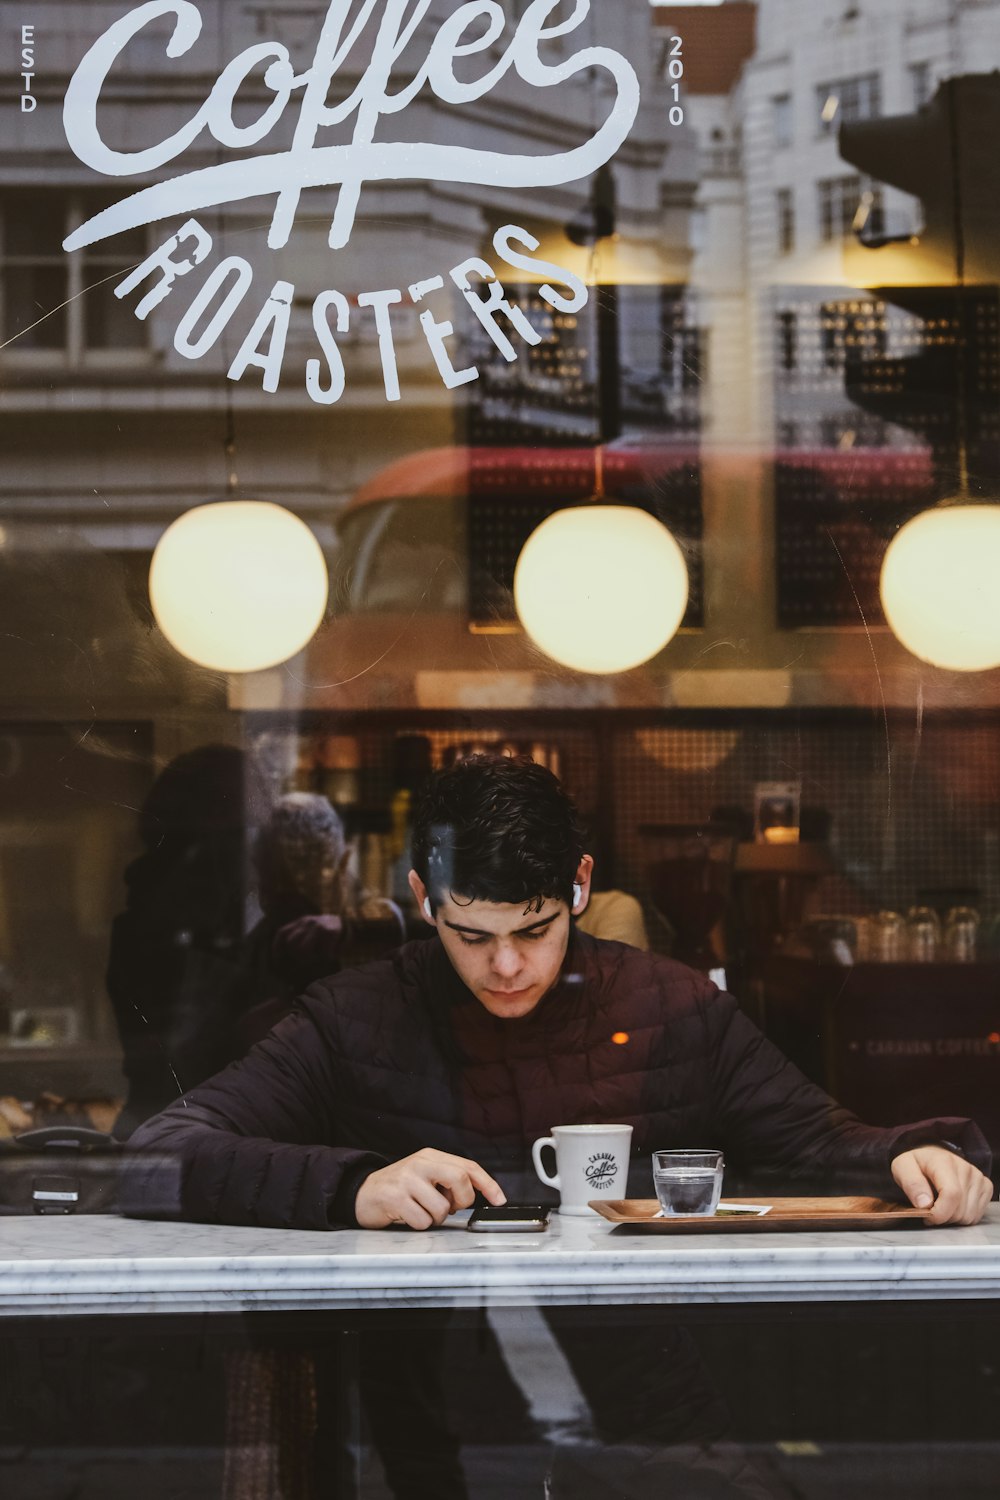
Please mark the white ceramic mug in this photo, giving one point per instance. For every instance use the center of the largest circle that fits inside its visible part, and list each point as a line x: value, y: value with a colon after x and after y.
x: 591, y: 1162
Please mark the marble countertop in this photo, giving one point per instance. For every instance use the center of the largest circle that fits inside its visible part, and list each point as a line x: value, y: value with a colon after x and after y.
x: 104, y: 1264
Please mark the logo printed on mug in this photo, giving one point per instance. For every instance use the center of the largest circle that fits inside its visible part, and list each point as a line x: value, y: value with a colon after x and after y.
x: 601, y: 1170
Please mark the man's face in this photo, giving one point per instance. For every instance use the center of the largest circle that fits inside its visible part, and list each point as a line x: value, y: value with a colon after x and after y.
x: 509, y: 956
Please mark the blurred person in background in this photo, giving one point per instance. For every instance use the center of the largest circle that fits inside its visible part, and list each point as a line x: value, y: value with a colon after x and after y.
x: 316, y: 917
x: 616, y: 917
x: 190, y: 991
x: 175, y: 974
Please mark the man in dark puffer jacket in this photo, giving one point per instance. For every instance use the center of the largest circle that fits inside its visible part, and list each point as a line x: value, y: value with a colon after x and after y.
x: 397, y: 1091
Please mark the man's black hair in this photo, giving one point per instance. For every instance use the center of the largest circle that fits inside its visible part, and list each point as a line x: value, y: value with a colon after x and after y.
x: 495, y: 828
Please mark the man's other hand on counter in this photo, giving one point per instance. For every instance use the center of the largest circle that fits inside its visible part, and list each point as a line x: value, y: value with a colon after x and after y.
x: 422, y: 1190
x: 951, y: 1189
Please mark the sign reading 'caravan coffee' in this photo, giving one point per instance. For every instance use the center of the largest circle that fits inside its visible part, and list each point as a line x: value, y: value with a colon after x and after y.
x: 387, y: 28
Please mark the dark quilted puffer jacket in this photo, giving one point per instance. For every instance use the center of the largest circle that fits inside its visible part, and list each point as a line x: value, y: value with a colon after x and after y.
x: 380, y: 1061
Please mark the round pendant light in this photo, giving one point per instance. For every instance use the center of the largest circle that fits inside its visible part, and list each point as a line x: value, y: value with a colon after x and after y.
x: 238, y: 585
x: 601, y: 588
x: 940, y: 588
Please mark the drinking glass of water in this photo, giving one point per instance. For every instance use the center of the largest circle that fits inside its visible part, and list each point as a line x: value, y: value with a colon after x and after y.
x: 688, y: 1182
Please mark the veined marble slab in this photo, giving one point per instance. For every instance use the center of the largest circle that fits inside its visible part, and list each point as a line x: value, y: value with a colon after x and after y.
x: 104, y: 1264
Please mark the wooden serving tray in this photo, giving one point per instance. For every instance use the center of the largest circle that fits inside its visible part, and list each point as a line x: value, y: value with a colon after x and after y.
x: 786, y: 1214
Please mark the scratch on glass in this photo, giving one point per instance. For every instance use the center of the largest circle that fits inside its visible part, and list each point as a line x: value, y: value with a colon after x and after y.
x: 878, y: 676
x: 119, y: 271
x: 345, y: 681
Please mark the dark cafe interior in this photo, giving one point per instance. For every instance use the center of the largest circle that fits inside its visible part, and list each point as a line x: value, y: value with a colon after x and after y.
x: 500, y: 750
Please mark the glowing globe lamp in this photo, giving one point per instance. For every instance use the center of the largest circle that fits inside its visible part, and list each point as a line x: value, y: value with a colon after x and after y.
x: 940, y: 587
x: 238, y: 585
x: 601, y: 588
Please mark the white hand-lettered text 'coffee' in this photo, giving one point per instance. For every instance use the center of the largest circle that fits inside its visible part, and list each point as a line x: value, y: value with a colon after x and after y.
x: 388, y: 28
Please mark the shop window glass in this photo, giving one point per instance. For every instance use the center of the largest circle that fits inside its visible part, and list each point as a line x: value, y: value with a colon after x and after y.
x: 735, y: 321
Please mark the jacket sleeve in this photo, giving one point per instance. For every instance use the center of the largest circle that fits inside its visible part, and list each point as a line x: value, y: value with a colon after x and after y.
x: 247, y: 1146
x: 771, y: 1116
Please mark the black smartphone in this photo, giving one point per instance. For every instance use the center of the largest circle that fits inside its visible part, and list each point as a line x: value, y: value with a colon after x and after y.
x: 511, y: 1218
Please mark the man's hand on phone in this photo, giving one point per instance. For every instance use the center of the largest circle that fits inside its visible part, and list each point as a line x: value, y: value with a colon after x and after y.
x: 422, y: 1190
x: 951, y: 1189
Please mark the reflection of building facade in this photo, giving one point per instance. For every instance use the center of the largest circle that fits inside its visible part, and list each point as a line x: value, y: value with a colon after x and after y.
x: 777, y: 201
x: 76, y: 354
x: 795, y: 272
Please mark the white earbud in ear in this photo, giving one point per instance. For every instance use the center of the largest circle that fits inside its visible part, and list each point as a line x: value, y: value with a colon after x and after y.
x: 577, y: 896
x: 427, y: 909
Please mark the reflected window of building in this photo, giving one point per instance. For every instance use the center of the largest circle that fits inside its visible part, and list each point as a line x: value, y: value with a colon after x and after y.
x: 921, y: 84
x: 788, y: 340
x: 781, y: 119
x: 683, y: 344
x: 784, y: 204
x: 723, y: 158
x: 847, y: 99
x: 53, y: 304
x: 851, y: 331
x: 848, y: 205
